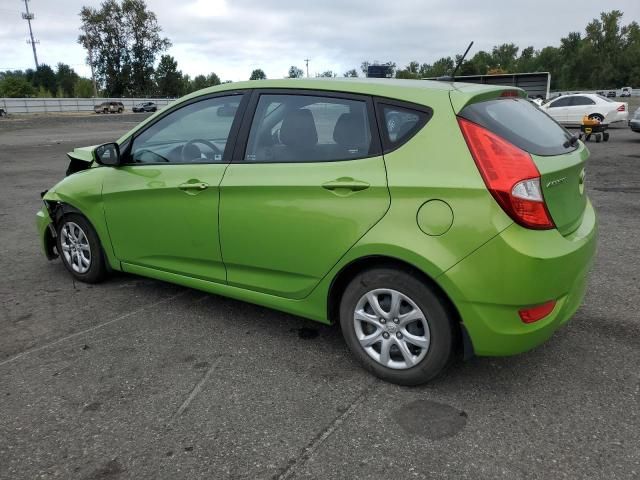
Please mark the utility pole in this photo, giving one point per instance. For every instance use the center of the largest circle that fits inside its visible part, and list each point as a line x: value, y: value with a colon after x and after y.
x: 28, y: 17
x: 306, y: 61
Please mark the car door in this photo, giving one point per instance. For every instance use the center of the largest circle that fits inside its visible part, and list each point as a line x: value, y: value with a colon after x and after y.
x: 307, y: 184
x: 161, y: 205
x: 557, y: 109
x: 578, y: 108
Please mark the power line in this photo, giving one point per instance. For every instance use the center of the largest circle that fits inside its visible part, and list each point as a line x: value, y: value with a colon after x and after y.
x: 28, y: 16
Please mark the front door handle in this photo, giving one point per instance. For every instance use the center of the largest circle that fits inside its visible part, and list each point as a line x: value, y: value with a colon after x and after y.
x: 346, y: 183
x: 192, y: 187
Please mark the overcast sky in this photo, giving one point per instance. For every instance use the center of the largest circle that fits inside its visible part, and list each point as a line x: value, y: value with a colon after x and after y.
x: 233, y: 37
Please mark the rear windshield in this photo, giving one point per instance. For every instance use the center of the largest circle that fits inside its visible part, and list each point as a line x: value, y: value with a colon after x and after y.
x: 521, y: 123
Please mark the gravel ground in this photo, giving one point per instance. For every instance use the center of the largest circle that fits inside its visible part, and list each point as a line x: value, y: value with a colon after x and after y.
x: 136, y: 378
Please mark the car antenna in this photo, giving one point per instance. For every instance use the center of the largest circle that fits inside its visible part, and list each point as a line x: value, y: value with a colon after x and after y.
x: 452, y: 77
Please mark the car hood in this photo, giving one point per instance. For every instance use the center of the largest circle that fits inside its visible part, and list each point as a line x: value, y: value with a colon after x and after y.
x: 84, y: 154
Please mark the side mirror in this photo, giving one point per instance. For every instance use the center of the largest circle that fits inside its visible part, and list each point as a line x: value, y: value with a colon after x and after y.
x: 107, y: 154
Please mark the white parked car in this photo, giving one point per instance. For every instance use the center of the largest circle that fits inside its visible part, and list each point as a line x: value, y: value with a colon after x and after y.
x: 569, y: 109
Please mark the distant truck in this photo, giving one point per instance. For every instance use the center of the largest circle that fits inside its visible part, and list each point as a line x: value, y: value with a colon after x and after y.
x: 626, y: 91
x: 109, y: 107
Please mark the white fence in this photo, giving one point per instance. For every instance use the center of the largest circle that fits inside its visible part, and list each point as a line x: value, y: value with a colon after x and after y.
x: 57, y: 105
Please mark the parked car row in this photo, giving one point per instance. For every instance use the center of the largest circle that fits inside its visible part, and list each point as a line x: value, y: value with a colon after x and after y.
x: 570, y: 109
x: 118, y: 107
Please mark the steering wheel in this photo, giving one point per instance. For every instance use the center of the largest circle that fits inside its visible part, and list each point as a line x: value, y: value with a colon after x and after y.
x: 192, y: 143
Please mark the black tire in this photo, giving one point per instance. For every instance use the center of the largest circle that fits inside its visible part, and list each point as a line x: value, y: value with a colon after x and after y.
x: 119, y: 110
x: 97, y: 270
x: 605, y: 136
x: 597, y: 116
x: 598, y: 137
x: 441, y: 346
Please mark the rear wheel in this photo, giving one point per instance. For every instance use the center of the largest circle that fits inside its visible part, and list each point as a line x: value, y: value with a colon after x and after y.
x: 396, y: 326
x: 597, y: 116
x: 80, y: 250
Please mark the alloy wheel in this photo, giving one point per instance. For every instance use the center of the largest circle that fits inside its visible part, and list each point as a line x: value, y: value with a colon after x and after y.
x: 391, y: 328
x: 75, y: 247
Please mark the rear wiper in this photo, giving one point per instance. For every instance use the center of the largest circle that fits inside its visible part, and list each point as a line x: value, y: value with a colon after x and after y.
x: 571, y: 142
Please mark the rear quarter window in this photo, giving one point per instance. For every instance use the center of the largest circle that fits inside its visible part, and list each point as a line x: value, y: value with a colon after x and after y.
x: 522, y: 124
x: 400, y: 121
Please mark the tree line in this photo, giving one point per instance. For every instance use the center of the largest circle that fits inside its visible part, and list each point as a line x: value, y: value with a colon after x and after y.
x: 123, y: 40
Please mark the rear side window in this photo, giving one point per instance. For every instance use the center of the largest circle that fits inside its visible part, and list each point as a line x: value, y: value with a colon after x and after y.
x: 561, y: 102
x: 400, y: 123
x: 579, y: 101
x: 306, y: 128
x: 522, y: 124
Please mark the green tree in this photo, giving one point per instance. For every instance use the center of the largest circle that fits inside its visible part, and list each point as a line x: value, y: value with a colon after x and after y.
x: 326, y: 74
x: 144, y: 42
x: 504, y: 56
x: 44, y: 79
x: 122, y: 39
x: 83, y: 88
x: 353, y: 73
x: 258, y: 74
x: 15, y: 86
x: 168, y: 78
x: 66, y: 79
x: 295, y: 72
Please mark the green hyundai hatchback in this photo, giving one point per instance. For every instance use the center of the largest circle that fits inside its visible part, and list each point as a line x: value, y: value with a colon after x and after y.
x: 427, y: 218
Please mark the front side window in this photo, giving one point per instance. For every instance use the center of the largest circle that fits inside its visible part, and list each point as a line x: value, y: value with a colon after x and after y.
x: 306, y: 128
x: 195, y: 133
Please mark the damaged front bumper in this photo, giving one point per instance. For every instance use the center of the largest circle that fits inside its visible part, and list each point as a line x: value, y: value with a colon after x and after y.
x: 47, y: 233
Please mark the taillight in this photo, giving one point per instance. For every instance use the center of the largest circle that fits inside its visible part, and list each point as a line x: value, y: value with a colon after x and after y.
x: 509, y: 174
x: 533, y: 314
x: 621, y: 108
x: 509, y: 93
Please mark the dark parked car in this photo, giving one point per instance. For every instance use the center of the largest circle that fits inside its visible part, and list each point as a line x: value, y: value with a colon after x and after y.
x: 611, y: 94
x: 634, y: 122
x: 109, y: 107
x: 145, y: 107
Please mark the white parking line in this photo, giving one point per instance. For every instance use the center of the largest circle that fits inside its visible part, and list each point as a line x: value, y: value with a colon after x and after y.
x: 95, y: 327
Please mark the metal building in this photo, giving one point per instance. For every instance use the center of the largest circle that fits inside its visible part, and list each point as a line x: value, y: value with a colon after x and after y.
x: 536, y: 83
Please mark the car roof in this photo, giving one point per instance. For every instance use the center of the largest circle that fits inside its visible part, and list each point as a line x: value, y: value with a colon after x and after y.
x: 384, y: 87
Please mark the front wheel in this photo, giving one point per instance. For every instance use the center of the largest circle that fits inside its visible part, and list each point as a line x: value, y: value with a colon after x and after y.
x: 396, y: 326
x: 80, y: 250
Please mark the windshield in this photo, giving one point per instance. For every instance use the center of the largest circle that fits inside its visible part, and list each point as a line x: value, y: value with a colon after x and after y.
x: 523, y: 124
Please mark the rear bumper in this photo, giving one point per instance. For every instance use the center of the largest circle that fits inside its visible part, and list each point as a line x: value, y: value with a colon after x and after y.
x: 517, y: 269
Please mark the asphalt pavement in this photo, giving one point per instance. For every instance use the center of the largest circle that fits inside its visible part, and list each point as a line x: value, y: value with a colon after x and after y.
x: 136, y: 378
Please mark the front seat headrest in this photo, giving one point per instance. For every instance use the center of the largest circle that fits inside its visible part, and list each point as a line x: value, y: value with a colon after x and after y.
x: 299, y: 129
x: 350, y: 130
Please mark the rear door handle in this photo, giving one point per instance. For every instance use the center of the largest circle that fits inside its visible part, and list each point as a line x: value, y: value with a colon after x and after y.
x: 346, y: 183
x: 193, y: 186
